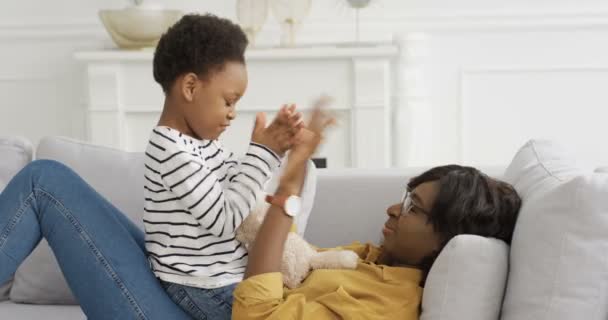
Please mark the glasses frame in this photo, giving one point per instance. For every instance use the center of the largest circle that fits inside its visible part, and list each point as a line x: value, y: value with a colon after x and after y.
x: 407, y: 204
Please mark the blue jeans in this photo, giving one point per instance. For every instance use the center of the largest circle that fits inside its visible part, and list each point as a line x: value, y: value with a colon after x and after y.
x: 100, y: 251
x: 202, y: 304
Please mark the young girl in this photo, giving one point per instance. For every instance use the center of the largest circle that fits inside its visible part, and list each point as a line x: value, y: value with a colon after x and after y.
x: 197, y: 193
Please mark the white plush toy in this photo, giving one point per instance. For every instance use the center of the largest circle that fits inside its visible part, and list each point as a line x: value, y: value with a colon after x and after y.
x: 299, y: 257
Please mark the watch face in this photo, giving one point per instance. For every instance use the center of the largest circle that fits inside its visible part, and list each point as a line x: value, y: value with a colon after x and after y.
x: 293, y: 205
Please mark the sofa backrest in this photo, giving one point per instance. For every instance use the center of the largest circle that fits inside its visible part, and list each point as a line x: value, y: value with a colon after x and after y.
x: 351, y: 204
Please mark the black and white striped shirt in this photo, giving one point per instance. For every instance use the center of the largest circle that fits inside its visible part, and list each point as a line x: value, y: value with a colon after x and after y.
x: 197, y: 195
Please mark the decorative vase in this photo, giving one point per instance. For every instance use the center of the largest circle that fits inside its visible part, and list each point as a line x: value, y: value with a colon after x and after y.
x: 252, y: 15
x: 138, y: 26
x: 290, y: 14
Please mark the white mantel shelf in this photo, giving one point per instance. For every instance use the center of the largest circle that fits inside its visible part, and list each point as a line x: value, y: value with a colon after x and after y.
x: 371, y: 85
x: 319, y: 52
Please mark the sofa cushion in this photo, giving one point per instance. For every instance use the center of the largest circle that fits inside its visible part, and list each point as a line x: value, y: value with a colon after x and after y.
x: 119, y: 177
x: 467, y: 281
x: 15, y: 153
x: 10, y: 311
x: 558, y: 265
x: 339, y: 205
x: 39, y: 279
x: 357, y: 199
x: 5, y: 290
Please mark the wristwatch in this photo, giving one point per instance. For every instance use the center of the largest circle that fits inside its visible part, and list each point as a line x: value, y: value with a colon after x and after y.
x: 291, y: 205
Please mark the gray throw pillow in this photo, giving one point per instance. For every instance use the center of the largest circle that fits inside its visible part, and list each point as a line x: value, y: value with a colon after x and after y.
x: 15, y: 153
x: 39, y: 279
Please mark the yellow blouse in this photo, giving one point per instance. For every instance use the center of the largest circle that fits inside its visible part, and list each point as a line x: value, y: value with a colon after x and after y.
x: 369, y: 292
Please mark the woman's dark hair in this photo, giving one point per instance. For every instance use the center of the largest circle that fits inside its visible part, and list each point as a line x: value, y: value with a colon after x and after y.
x: 469, y: 202
x: 197, y: 43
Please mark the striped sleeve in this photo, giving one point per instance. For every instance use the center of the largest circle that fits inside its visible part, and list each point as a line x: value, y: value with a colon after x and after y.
x: 252, y: 164
x: 219, y: 208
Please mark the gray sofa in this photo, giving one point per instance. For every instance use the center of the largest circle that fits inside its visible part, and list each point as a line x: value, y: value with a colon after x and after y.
x: 340, y: 198
x: 556, y: 265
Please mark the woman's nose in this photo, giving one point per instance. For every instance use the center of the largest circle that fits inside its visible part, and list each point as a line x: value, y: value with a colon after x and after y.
x: 393, y: 211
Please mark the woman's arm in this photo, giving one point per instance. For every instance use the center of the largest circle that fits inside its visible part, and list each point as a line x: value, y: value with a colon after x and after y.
x: 267, y: 251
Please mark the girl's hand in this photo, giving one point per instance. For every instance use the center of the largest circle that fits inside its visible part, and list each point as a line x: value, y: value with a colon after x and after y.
x: 279, y: 136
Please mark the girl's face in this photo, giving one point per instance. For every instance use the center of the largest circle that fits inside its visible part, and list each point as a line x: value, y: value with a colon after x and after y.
x: 212, y: 103
x: 408, y: 235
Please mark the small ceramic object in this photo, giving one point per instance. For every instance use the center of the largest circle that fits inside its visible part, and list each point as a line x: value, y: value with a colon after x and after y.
x: 358, y: 4
x: 252, y: 15
x: 139, y: 26
x: 290, y: 14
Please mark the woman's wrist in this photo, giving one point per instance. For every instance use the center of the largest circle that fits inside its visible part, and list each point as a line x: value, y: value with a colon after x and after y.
x: 288, y: 189
x: 294, y: 174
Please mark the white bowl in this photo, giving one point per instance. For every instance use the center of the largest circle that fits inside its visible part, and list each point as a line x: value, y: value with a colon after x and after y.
x: 138, y: 27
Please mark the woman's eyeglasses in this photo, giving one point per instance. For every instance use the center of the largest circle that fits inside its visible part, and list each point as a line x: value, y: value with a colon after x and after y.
x: 407, y: 205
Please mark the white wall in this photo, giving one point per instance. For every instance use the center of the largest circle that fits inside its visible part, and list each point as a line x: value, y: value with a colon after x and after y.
x: 506, y: 87
x: 496, y: 72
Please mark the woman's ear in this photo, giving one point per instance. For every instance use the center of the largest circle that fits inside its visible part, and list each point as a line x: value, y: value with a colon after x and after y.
x: 188, y: 86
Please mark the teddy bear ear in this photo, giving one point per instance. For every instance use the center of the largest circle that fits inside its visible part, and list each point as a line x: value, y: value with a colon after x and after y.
x: 261, y: 210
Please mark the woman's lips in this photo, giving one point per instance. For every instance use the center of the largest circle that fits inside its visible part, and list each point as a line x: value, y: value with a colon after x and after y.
x: 387, y: 229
